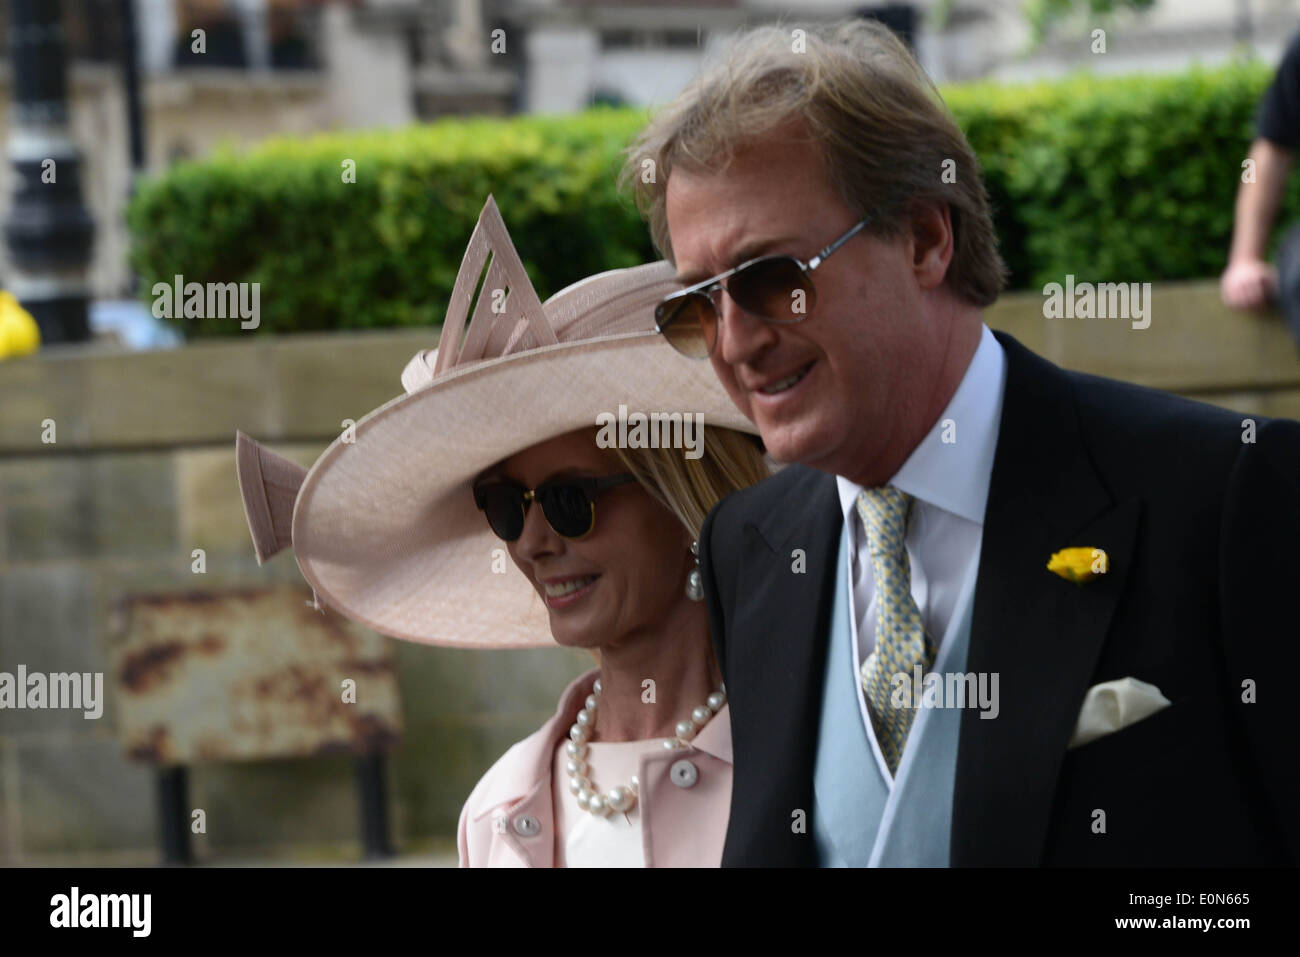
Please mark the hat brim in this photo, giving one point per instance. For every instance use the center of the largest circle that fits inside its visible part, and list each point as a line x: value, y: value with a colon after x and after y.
x: 385, y: 528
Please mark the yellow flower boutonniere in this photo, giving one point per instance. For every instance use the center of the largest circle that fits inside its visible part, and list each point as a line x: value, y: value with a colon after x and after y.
x: 1079, y: 565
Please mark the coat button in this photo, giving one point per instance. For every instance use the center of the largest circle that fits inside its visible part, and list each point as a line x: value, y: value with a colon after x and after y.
x: 684, y: 774
x: 527, y: 826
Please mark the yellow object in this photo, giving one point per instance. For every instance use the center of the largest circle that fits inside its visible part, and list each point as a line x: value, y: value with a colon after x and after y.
x: 19, y: 334
x: 1079, y: 565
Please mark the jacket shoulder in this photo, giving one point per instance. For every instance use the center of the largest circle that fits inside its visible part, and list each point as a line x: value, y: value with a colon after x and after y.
x: 1145, y: 440
x: 509, y: 778
x: 790, y: 483
x: 1141, y: 440
x: 512, y: 776
x: 1146, y: 408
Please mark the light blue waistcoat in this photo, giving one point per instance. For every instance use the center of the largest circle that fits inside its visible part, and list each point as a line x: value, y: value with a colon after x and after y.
x: 857, y: 820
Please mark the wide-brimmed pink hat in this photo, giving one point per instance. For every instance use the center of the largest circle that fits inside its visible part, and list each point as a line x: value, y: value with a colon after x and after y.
x: 384, y: 525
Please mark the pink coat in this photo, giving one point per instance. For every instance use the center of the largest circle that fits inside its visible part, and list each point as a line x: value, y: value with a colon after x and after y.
x: 509, y: 819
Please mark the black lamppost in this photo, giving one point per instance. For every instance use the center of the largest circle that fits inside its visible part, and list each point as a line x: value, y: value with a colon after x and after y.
x: 49, y: 230
x: 131, y: 87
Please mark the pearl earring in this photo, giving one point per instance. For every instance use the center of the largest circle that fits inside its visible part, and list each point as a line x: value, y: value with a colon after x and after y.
x: 694, y: 584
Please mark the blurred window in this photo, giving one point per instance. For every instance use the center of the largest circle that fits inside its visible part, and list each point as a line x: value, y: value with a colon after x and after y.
x: 282, y: 34
x: 222, y: 38
x: 633, y: 39
x: 91, y: 30
x: 290, y: 28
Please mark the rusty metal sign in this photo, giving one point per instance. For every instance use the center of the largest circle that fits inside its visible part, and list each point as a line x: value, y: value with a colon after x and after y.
x: 248, y: 674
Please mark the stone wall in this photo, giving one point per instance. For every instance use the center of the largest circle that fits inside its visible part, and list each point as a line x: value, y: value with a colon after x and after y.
x: 143, y: 472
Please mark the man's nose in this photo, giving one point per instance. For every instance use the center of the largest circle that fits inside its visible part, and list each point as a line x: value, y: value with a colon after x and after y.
x: 741, y: 334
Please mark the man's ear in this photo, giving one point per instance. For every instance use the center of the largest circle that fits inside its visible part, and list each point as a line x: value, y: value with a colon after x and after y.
x: 932, y: 243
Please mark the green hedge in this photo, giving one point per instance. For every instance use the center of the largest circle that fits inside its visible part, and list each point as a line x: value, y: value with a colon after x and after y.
x: 384, y: 250
x: 1116, y: 179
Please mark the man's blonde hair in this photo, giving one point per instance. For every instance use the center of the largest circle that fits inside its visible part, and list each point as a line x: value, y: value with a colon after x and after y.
x: 882, y: 131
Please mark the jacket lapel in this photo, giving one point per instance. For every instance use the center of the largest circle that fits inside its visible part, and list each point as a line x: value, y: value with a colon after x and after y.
x: 1041, y: 634
x: 782, y: 613
x: 520, y: 783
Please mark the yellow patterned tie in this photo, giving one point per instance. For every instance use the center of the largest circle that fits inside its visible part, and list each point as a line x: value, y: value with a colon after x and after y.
x: 901, y: 641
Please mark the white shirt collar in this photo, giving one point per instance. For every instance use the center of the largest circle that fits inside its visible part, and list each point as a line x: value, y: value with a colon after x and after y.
x: 954, y: 476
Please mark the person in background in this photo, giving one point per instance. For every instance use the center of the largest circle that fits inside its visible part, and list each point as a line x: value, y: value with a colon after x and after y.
x: 1250, y: 281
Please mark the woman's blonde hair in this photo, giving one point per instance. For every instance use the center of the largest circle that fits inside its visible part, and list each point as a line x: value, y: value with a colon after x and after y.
x: 689, y: 488
x: 884, y: 136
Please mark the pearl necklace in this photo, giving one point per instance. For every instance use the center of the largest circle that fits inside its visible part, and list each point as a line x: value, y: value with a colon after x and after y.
x: 623, y: 799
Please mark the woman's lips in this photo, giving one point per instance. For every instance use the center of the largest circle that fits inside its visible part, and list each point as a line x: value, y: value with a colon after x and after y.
x: 560, y: 593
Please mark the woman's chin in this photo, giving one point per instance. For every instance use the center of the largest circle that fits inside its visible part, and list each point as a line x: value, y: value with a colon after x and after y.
x: 582, y: 638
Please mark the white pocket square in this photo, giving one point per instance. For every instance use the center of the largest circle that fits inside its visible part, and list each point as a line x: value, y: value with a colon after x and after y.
x: 1113, y: 705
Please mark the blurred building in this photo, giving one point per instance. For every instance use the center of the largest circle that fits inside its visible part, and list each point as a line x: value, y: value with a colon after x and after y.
x: 989, y: 38
x: 266, y: 67
x: 276, y: 67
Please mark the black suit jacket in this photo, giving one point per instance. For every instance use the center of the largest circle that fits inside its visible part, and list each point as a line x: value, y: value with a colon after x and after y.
x: 1202, y: 531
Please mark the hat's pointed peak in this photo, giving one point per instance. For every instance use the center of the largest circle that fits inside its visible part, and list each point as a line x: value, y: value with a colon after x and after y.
x: 506, y: 315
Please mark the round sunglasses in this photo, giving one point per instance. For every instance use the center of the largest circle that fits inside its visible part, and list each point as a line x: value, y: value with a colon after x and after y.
x: 569, y: 504
x: 777, y: 289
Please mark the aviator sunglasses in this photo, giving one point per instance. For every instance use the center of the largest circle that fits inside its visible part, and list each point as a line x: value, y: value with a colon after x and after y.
x: 777, y: 289
x: 569, y: 504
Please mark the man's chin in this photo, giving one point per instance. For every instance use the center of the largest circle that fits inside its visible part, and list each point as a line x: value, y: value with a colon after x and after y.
x: 791, y: 447
x: 793, y: 444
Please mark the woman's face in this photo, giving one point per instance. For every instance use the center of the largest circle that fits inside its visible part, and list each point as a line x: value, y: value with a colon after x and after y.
x: 630, y: 569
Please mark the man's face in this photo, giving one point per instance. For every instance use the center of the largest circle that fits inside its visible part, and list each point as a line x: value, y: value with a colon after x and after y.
x: 862, y: 359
